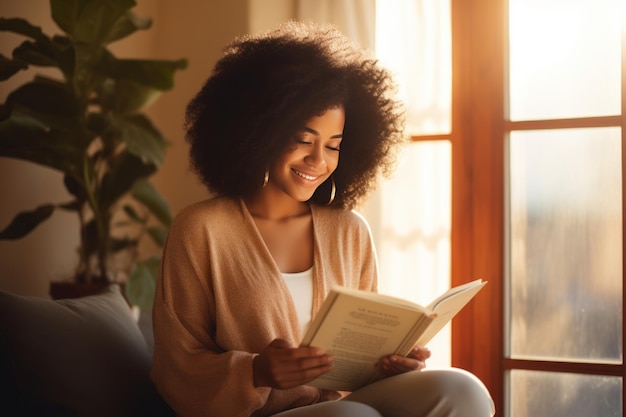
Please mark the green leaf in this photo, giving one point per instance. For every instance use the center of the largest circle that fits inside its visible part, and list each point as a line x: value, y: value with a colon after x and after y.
x: 75, y: 187
x: 98, y: 19
x: 25, y: 138
x: 65, y: 13
x: 132, y: 213
x: 141, y: 283
x: 89, y: 21
x: 84, y: 79
x: 143, y: 139
x: 144, y: 192
x: 57, y: 52
x: 22, y: 27
x: 70, y: 206
x: 65, y: 55
x: 26, y: 221
x: 126, y: 25
x: 130, y: 97
x: 49, y: 102
x: 158, y: 74
x: 117, y: 245
x: 42, y: 50
x: 125, y: 170
x: 158, y: 235
x: 34, y: 54
x: 9, y: 67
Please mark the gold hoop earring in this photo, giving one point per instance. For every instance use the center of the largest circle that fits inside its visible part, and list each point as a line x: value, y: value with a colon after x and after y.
x: 333, y: 190
x: 266, y: 177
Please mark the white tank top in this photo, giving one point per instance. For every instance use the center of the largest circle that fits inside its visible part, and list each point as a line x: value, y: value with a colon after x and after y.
x: 300, y: 285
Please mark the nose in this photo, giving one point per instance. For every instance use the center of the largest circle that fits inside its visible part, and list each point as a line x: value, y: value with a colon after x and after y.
x: 315, y: 157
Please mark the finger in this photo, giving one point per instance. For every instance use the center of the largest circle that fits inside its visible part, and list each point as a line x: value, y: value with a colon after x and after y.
x: 420, y: 353
x: 295, y: 360
x: 397, y: 364
x: 402, y: 368
x: 303, y: 352
x: 314, y: 362
x: 304, y: 375
x: 410, y: 364
x: 300, y: 376
x: 282, y: 350
x: 280, y: 344
x: 281, y: 365
x: 296, y: 364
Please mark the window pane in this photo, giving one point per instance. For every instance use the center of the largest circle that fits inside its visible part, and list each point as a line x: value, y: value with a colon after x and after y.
x: 566, y: 244
x: 413, y: 40
x: 565, y: 58
x: 539, y: 394
x: 410, y: 220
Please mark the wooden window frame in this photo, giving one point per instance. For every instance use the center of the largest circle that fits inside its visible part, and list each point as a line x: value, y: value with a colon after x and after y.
x: 477, y: 241
x: 480, y: 128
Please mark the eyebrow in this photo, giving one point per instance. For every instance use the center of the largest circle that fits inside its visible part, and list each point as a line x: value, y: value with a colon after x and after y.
x: 316, y: 133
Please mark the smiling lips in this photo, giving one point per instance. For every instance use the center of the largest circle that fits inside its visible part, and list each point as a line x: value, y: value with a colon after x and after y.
x: 305, y: 176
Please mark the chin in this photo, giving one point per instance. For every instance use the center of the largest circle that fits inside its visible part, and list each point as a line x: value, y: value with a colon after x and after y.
x: 303, y: 198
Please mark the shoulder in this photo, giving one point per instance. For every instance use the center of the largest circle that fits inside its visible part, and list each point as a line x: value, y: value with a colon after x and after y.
x: 341, y: 216
x: 345, y: 244
x: 208, y: 209
x: 212, y: 214
x: 340, y: 221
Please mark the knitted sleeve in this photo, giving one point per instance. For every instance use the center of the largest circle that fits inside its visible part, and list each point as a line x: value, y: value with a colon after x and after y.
x: 192, y: 373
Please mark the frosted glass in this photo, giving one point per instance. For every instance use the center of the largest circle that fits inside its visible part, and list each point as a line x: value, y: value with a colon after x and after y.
x: 413, y: 40
x: 565, y: 58
x: 410, y: 219
x: 566, y: 245
x: 543, y: 394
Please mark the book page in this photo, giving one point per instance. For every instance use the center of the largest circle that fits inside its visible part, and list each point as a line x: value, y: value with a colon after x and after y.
x: 448, y: 305
x: 453, y: 291
x: 357, y: 332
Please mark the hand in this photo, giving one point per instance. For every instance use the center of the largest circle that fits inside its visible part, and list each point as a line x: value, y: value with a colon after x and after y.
x: 414, y: 361
x: 283, y: 366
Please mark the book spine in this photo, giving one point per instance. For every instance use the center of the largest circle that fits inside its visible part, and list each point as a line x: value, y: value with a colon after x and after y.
x: 421, y: 324
x: 319, y: 319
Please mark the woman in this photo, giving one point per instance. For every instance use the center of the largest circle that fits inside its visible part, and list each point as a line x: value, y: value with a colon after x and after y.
x: 289, y: 132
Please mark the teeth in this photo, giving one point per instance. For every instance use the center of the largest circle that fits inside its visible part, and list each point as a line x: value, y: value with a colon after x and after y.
x: 306, y: 177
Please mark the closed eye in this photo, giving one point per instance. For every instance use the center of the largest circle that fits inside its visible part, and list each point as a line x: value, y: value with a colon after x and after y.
x: 301, y: 139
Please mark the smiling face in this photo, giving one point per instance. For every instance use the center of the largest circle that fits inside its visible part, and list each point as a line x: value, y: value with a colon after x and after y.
x: 312, y: 157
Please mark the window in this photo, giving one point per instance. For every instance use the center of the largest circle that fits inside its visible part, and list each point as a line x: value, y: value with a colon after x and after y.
x: 537, y: 145
x: 564, y: 216
x: 410, y: 214
x: 528, y: 166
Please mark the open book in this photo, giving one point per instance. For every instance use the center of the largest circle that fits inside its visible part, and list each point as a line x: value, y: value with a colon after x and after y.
x: 358, y: 328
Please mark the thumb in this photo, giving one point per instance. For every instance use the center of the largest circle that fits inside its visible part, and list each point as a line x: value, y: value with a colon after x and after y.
x: 280, y: 344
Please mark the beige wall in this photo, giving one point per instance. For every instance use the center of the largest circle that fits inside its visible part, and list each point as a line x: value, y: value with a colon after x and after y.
x: 192, y: 29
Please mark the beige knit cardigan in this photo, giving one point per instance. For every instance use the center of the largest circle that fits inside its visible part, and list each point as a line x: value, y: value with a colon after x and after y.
x: 221, y: 299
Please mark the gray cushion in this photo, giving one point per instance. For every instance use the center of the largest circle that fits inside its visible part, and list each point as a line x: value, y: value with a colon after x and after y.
x: 83, y: 357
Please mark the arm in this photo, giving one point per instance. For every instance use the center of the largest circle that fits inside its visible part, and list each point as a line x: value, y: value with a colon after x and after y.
x: 212, y: 319
x: 191, y: 371
x: 281, y: 365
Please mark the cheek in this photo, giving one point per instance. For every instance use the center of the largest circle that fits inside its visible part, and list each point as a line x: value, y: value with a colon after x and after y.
x: 333, y: 162
x: 283, y: 161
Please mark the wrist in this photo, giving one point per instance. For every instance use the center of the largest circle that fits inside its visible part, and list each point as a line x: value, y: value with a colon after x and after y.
x: 257, y: 379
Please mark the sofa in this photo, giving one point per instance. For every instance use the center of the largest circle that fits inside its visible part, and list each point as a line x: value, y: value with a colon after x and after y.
x: 83, y: 357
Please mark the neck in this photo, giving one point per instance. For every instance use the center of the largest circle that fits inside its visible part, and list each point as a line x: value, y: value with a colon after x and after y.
x: 262, y: 206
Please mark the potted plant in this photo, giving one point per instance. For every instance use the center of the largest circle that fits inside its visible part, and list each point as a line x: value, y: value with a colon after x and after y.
x: 89, y: 126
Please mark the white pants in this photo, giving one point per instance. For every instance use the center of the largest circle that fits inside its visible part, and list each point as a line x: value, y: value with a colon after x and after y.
x: 428, y: 393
